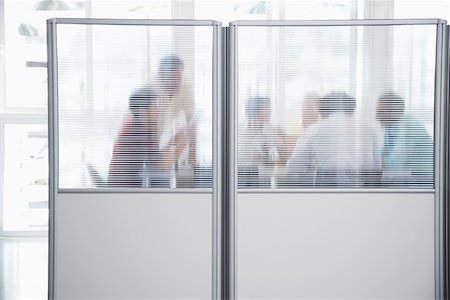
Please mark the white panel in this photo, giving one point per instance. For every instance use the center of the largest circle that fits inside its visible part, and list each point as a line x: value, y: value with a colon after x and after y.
x: 124, y: 246
x: 335, y: 246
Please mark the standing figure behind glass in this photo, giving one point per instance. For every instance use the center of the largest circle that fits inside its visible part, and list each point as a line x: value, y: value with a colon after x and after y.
x: 176, y: 103
x: 408, y: 148
x: 262, y: 146
x: 339, y: 150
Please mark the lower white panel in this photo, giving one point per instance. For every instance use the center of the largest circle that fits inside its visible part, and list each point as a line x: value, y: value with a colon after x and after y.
x: 335, y: 246
x: 133, y: 246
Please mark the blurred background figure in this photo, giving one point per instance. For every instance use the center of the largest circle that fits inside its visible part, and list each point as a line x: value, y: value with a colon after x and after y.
x: 262, y: 146
x: 309, y: 115
x: 407, y: 151
x: 138, y: 159
x: 177, y: 107
x: 310, y: 110
x: 338, y: 150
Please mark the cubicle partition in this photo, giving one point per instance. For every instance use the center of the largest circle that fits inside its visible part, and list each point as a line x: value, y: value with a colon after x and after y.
x: 133, y: 216
x: 323, y: 176
x: 337, y: 152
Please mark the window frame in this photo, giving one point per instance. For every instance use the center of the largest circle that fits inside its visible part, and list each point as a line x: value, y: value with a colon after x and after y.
x: 234, y: 103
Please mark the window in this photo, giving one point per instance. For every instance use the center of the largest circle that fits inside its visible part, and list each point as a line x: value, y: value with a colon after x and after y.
x: 227, y: 11
x: 25, y: 187
x: 317, y: 10
x: 420, y: 9
x: 24, y: 112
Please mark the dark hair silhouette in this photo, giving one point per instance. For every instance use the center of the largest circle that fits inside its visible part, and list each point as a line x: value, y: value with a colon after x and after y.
x: 336, y: 101
x: 140, y: 99
x: 254, y: 105
x: 170, y: 63
x: 392, y: 101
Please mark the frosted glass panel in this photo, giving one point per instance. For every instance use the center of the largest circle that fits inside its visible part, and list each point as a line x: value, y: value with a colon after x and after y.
x: 135, y: 106
x: 336, y: 106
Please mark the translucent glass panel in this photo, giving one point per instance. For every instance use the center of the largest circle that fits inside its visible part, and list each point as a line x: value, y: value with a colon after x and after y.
x: 25, y: 185
x: 135, y: 106
x: 342, y: 106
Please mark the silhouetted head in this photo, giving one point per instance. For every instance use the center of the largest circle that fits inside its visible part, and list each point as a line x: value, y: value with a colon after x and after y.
x: 336, y: 102
x: 390, y: 108
x: 171, y: 71
x: 143, y: 101
x: 258, y: 110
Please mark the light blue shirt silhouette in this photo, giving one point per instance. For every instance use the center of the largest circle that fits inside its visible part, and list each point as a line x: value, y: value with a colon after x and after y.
x: 407, y: 154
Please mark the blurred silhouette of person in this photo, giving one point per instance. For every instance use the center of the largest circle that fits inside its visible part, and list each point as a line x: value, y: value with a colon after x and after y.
x: 338, y: 150
x: 177, y: 107
x: 407, y: 151
x: 138, y: 160
x: 309, y: 115
x: 261, y: 144
x: 136, y: 140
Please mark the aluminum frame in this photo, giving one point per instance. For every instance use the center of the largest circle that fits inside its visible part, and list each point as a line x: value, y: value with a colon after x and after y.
x: 440, y: 142
x: 445, y: 206
x: 144, y: 22
x: 217, y: 155
x: 52, y: 65
x: 119, y: 190
x: 335, y: 191
x: 136, y: 22
x: 225, y: 236
x: 233, y: 147
x: 440, y: 146
x: 53, y: 137
x: 371, y: 22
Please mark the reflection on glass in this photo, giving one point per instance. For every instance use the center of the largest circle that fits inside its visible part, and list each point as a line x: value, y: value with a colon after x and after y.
x: 262, y: 145
x: 140, y: 113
